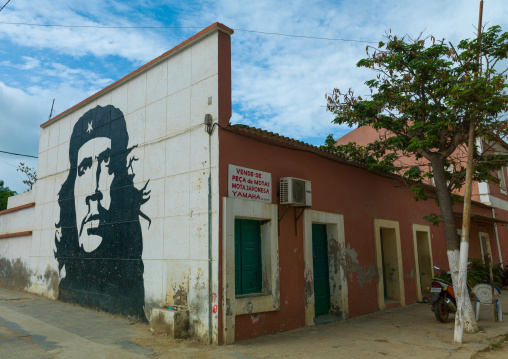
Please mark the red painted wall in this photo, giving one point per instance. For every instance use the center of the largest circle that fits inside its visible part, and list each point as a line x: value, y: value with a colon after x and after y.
x: 360, y: 196
x: 225, y: 110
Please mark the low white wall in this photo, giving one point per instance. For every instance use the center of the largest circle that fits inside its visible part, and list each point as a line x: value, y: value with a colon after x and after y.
x: 17, y: 267
x: 21, y: 199
x: 17, y: 221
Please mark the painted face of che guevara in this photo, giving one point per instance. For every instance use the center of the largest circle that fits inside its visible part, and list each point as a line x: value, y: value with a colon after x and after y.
x: 91, y: 191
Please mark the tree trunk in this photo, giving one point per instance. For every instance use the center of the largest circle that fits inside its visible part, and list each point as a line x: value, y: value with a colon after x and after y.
x: 452, y: 239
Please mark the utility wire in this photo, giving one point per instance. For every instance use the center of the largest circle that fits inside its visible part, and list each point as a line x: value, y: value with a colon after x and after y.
x: 17, y: 154
x: 7, y: 163
x: 305, y: 37
x: 103, y: 27
x: 184, y: 27
x: 8, y: 1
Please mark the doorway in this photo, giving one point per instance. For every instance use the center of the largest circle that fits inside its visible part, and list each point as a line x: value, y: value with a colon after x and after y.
x: 389, y: 263
x: 333, y: 284
x: 321, y: 270
x: 389, y: 259
x: 423, y: 260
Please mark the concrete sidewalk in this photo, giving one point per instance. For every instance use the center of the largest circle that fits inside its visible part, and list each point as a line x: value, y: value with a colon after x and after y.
x: 34, y: 327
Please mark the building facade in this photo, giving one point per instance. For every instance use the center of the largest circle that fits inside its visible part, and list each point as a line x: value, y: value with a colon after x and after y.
x: 148, y: 198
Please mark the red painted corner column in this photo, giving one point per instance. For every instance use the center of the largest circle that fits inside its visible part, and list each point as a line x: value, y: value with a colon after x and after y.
x: 225, y: 112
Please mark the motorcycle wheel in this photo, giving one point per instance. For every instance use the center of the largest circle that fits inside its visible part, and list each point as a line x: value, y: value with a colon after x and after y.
x: 441, y: 310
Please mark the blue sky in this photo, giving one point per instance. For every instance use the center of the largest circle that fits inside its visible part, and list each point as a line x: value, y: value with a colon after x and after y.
x: 279, y: 83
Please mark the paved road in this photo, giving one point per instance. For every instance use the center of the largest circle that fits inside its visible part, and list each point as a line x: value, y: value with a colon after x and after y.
x: 34, y: 327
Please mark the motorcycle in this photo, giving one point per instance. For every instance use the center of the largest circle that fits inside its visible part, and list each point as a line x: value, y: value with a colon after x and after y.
x: 443, y: 297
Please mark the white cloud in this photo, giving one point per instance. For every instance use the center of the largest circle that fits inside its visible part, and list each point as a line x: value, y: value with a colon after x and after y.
x: 21, y: 114
x: 30, y: 63
x: 133, y: 44
x: 279, y: 83
x: 19, y: 118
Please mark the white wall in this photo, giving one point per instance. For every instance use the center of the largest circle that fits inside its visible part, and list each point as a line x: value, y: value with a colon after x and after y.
x: 17, y: 221
x: 15, y: 252
x: 164, y: 108
x: 20, y: 199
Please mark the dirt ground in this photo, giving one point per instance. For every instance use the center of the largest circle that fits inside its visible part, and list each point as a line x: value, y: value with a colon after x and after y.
x: 162, y: 346
x: 32, y: 326
x: 498, y: 349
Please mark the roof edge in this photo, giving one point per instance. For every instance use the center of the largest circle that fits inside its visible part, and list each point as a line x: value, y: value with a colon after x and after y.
x: 217, y: 26
x: 288, y: 142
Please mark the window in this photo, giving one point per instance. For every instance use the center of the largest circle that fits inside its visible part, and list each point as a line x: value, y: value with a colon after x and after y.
x: 266, y: 298
x: 247, y: 256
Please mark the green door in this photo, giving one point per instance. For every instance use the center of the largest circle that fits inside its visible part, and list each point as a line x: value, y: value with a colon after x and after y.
x: 320, y: 264
x: 247, y: 256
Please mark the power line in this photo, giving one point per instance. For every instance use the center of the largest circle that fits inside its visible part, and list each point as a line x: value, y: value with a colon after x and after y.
x: 17, y: 154
x: 185, y: 27
x: 305, y: 37
x: 103, y: 27
x: 7, y: 163
x: 8, y: 1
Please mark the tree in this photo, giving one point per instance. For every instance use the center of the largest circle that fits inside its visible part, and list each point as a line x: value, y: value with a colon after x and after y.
x: 424, y: 95
x: 5, y: 193
x: 31, y: 175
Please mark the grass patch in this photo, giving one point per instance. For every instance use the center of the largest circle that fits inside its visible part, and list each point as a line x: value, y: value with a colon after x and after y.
x: 495, y: 345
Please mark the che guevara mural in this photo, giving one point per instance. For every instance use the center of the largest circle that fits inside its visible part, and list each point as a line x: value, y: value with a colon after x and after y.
x: 98, y: 238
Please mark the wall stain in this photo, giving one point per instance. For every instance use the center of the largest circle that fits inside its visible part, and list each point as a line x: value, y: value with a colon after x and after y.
x: 52, y: 281
x: 228, y: 307
x: 180, y: 296
x: 276, y: 290
x: 309, y: 287
x: 257, y: 318
x: 265, y: 279
x: 335, y: 254
x: 14, y: 273
x: 412, y: 274
x: 248, y: 307
x: 200, y: 273
x: 364, y: 274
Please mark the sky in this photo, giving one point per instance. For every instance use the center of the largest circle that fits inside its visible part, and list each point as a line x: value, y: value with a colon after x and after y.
x: 278, y: 82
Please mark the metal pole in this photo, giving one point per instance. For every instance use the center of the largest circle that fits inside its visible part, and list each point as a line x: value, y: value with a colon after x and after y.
x: 210, y: 280
x: 209, y: 127
x: 51, y: 112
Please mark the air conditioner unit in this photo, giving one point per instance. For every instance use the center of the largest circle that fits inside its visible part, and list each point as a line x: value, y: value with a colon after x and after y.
x: 295, y: 192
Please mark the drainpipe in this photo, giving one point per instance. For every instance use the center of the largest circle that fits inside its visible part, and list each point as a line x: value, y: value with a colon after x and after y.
x: 209, y: 127
x: 497, y: 240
